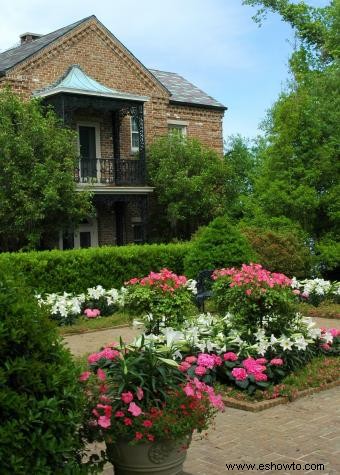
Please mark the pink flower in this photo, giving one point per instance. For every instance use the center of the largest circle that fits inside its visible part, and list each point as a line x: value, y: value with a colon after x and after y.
x: 206, y: 360
x: 134, y: 409
x: 127, y: 397
x: 127, y: 421
x: 184, y: 366
x: 200, y: 370
x: 248, y: 291
x: 93, y: 358
x: 218, y: 360
x: 296, y: 292
x: 119, y: 414
x: 104, y: 422
x: 151, y: 437
x: 101, y: 374
x: 147, y: 423
x: 325, y: 346
x: 261, y: 361
x: 230, y: 356
x: 240, y: 374
x: 334, y: 332
x: 189, y: 390
x: 260, y: 377
x: 140, y: 393
x: 276, y: 362
x: 85, y: 376
x: 191, y: 359
x: 92, y: 313
x: 216, y: 401
x: 138, y: 436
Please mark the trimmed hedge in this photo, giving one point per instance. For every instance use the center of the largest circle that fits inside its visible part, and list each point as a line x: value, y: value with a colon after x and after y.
x: 77, y: 270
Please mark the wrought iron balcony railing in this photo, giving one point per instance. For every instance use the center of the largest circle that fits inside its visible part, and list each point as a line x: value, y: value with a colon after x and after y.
x: 110, y: 171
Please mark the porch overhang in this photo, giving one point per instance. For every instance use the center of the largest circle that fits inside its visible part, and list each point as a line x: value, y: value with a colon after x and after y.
x: 76, y: 82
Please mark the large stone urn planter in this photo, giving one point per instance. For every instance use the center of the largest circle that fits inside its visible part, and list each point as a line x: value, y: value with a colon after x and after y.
x: 156, y: 458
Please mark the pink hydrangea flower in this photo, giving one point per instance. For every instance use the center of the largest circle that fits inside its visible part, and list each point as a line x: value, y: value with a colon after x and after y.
x: 134, y: 409
x: 261, y: 361
x: 206, y: 360
x: 200, y: 370
x: 184, y: 366
x: 230, y: 356
x: 85, y: 376
x: 276, y: 362
x: 191, y: 359
x: 127, y: 397
x: 260, y: 377
x: 240, y: 374
x: 325, y: 346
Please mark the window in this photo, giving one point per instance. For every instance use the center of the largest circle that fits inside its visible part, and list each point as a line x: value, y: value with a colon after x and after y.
x: 134, y: 135
x: 180, y: 129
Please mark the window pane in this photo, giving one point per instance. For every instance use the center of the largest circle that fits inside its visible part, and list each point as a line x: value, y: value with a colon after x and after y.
x: 134, y: 124
x: 135, y: 140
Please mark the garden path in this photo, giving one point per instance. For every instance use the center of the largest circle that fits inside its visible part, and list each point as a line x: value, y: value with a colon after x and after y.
x: 306, y: 431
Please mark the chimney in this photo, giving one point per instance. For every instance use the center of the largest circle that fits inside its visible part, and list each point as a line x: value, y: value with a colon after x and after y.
x: 29, y: 37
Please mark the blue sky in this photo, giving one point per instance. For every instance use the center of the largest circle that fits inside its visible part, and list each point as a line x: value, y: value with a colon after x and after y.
x: 213, y: 43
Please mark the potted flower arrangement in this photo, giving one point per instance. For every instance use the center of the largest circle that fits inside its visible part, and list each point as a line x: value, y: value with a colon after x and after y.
x: 145, y: 408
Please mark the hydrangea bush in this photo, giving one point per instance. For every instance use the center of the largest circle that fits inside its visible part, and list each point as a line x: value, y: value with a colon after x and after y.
x: 257, y: 298
x: 160, y: 298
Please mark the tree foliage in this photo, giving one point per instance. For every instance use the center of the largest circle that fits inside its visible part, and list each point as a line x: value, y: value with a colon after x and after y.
x: 299, y: 173
x: 37, y: 190
x: 192, y: 185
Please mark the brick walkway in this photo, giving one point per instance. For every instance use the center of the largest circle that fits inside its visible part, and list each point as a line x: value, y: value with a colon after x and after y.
x: 306, y: 431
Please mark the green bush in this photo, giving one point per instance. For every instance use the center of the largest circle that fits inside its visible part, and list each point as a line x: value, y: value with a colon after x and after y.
x: 280, y: 251
x: 220, y: 244
x: 41, y: 404
x: 77, y: 270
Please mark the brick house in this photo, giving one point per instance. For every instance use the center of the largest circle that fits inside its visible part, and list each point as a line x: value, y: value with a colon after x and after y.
x: 117, y: 105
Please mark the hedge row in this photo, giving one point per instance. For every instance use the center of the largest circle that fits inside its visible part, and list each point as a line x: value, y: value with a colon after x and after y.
x: 77, y: 270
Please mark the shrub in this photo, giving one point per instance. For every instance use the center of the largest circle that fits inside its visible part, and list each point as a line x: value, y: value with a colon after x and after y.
x: 280, y: 250
x: 218, y: 245
x: 78, y: 270
x: 41, y: 405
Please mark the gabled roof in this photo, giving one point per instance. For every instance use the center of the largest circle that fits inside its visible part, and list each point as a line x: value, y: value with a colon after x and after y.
x: 14, y: 56
x: 75, y: 81
x: 183, y: 91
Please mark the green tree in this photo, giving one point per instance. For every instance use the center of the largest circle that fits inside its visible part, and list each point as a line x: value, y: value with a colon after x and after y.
x: 192, y: 186
x: 37, y: 190
x: 299, y: 173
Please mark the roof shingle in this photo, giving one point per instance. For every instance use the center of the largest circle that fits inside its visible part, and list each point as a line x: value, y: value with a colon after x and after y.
x: 184, y: 91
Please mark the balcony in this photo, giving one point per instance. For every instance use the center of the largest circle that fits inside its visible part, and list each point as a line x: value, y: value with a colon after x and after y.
x: 112, y: 172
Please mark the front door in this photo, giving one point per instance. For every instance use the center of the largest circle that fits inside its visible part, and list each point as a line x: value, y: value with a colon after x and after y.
x: 88, y: 155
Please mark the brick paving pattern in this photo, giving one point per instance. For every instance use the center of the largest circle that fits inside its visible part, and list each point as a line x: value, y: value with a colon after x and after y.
x: 305, y: 431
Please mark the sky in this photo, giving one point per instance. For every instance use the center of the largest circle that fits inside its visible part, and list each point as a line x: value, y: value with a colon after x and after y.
x: 215, y: 44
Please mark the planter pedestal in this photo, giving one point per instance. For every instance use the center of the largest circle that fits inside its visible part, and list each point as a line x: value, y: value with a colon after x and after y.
x: 156, y: 458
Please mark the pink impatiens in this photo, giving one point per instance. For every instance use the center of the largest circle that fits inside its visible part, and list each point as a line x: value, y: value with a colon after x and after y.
x: 127, y: 397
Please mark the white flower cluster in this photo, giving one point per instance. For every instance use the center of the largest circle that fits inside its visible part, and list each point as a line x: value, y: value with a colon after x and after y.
x: 318, y: 287
x: 192, y: 286
x: 212, y: 333
x: 68, y: 305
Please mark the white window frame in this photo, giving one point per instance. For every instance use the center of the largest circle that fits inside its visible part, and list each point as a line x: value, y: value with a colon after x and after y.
x: 132, y: 132
x: 91, y: 226
x: 96, y: 126
x: 180, y: 125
